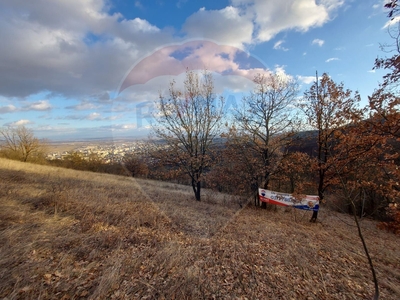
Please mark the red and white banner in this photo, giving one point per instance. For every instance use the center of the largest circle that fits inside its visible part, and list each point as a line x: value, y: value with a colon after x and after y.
x: 308, y: 202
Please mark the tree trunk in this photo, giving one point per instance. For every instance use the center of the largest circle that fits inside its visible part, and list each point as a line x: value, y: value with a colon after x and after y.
x: 196, y: 185
x: 198, y: 191
x: 254, y: 189
x: 292, y: 183
x: 320, y: 190
x: 315, y: 213
x: 265, y: 186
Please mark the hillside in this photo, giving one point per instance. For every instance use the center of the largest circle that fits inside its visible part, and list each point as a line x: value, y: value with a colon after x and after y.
x: 67, y: 234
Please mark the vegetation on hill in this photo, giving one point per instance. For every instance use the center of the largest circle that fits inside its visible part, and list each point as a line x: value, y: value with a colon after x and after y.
x: 20, y: 143
x: 67, y: 234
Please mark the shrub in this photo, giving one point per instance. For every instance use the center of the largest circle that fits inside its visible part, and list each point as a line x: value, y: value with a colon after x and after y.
x: 393, y: 212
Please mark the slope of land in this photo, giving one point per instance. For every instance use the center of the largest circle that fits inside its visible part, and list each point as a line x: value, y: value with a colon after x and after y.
x: 67, y: 234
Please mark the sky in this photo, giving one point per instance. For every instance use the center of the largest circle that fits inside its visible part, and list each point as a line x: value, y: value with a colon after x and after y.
x: 82, y: 69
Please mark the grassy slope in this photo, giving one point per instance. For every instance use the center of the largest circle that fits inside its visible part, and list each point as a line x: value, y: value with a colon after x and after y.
x: 67, y: 234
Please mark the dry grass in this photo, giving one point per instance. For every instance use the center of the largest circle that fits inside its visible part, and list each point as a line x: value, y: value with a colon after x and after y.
x: 67, y: 234
x: 194, y: 218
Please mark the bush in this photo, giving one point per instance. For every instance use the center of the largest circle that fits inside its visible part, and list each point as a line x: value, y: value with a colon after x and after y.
x: 393, y: 212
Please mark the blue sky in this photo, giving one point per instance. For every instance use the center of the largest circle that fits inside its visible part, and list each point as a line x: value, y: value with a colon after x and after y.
x: 62, y: 62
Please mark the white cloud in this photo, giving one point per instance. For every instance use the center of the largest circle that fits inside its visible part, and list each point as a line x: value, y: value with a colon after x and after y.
x: 78, y: 49
x: 331, y: 5
x: 65, y: 46
x: 84, y: 105
x: 278, y: 45
x: 256, y: 21
x: 318, y: 42
x: 197, y: 55
x: 306, y: 79
x: 371, y: 71
x: 93, y: 116
x: 272, y: 17
x: 126, y: 126
x: 118, y: 107
x: 280, y: 71
x: 391, y: 22
x: 7, y: 109
x: 331, y: 59
x: 225, y: 26
x: 41, y: 105
x: 18, y: 123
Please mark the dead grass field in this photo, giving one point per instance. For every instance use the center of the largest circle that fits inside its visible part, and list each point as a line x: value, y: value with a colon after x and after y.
x: 67, y: 234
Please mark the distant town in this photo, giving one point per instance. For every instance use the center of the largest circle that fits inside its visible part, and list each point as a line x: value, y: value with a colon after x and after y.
x: 109, y: 152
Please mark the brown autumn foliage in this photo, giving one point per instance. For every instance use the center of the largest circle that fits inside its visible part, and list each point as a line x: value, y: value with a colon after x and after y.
x: 135, y: 165
x: 237, y: 170
x: 384, y: 128
x: 328, y: 107
x: 296, y: 174
x: 392, y: 64
x: 367, y: 164
x: 237, y: 166
x: 394, y: 225
x: 115, y: 237
x: 384, y: 123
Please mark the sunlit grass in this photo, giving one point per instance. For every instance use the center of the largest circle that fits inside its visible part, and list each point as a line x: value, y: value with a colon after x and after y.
x: 67, y: 234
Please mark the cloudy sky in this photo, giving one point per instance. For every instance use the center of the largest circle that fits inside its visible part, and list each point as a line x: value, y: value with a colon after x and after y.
x: 91, y: 68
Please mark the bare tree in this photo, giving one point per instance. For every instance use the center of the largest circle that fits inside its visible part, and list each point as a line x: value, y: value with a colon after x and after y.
x: 266, y: 122
x: 20, y: 143
x: 189, y: 121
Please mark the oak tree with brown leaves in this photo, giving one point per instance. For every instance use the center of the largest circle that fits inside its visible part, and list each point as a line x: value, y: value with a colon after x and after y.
x: 328, y: 107
x: 135, y: 165
x: 384, y: 123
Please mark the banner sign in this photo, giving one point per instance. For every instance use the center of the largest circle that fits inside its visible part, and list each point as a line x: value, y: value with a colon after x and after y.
x: 308, y: 202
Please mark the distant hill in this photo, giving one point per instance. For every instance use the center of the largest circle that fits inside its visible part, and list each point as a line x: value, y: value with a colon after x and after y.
x: 306, y: 142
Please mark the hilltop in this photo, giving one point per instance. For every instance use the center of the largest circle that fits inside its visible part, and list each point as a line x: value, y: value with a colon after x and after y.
x: 67, y: 234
